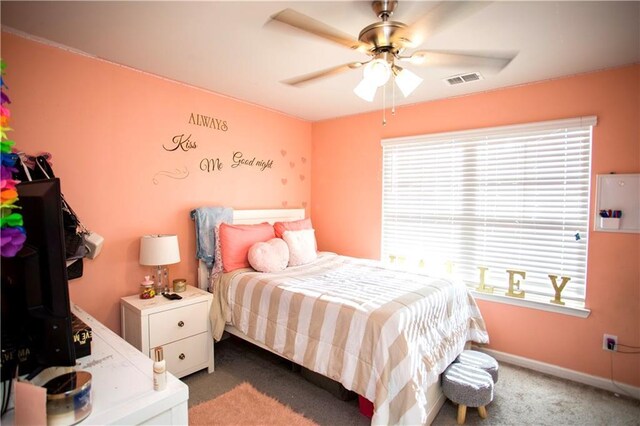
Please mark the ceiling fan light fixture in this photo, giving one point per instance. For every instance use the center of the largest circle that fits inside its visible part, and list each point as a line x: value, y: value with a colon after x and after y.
x: 406, y: 80
x: 365, y: 90
x: 377, y: 72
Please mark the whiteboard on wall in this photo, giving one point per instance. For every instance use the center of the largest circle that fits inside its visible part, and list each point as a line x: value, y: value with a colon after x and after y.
x: 618, y: 192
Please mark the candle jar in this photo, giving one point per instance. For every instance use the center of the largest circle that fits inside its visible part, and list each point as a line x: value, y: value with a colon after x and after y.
x: 179, y: 285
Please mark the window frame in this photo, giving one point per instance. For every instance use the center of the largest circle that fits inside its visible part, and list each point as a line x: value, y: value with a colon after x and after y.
x: 532, y: 301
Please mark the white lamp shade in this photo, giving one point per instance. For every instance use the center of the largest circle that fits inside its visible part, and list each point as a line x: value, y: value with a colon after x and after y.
x: 158, y: 250
x: 366, y: 90
x: 407, y: 81
x: 377, y: 72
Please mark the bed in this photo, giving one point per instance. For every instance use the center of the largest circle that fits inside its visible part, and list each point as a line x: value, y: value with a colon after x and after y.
x: 383, y: 333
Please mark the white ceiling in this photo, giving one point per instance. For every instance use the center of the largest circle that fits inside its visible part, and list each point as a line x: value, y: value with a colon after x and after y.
x: 232, y: 48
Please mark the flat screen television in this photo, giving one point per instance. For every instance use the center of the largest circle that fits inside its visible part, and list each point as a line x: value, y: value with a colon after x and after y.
x: 36, y: 313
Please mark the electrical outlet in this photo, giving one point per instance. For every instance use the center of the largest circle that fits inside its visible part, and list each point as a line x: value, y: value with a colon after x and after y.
x: 610, y: 342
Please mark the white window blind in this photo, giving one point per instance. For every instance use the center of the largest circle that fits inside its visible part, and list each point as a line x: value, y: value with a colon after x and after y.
x: 506, y: 198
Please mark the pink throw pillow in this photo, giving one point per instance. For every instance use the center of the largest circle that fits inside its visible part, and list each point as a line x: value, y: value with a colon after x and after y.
x: 269, y: 256
x: 236, y: 240
x: 294, y: 225
x: 302, y: 246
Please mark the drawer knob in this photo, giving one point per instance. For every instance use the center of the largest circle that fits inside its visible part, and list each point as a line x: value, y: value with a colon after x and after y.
x: 181, y: 324
x: 181, y: 356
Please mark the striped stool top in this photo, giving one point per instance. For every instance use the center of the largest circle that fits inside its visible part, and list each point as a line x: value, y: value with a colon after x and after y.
x: 480, y: 360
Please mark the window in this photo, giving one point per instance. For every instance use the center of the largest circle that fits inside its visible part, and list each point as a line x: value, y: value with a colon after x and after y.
x: 488, y: 201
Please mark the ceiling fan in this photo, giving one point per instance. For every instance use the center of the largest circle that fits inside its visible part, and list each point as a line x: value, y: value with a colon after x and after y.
x: 386, y: 41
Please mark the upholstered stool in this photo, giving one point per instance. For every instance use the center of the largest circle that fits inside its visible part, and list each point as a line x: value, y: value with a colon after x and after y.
x: 467, y: 386
x: 480, y: 360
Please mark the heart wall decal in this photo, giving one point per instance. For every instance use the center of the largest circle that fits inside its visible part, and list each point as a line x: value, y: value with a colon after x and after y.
x: 284, y: 181
x: 283, y: 152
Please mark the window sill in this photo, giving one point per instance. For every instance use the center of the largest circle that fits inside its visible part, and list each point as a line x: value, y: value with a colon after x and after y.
x: 534, y: 304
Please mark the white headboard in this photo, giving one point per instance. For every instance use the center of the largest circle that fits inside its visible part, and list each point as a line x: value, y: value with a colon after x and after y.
x: 247, y: 217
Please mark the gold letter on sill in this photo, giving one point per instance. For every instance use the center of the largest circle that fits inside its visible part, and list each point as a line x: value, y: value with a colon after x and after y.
x: 558, y: 290
x: 482, y: 287
x: 448, y: 266
x: 514, y: 286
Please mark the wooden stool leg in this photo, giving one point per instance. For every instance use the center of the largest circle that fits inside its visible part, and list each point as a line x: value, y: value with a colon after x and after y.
x: 462, y: 413
x: 482, y: 411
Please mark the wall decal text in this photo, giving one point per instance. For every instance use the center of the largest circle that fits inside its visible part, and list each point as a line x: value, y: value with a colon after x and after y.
x: 209, y: 122
x: 240, y: 160
x: 183, y: 143
x: 210, y: 164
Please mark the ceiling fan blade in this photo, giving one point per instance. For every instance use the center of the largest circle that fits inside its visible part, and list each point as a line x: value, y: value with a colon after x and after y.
x: 452, y: 59
x: 443, y: 15
x: 310, y: 25
x: 308, y: 78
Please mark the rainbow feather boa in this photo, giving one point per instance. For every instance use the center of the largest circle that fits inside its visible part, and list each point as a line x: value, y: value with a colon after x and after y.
x: 12, y: 236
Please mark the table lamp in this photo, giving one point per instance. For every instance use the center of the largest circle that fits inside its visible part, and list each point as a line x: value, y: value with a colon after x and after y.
x: 159, y: 251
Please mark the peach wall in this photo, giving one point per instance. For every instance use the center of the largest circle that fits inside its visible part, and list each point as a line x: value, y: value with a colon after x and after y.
x: 346, y: 192
x: 106, y: 126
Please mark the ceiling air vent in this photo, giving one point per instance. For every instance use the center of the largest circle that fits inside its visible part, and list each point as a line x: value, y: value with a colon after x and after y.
x: 463, y: 78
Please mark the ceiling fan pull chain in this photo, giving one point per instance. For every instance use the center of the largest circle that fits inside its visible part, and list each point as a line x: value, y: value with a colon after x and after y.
x: 384, y: 103
x: 393, y: 96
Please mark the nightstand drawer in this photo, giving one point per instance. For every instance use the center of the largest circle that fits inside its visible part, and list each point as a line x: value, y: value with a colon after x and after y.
x: 176, y: 324
x: 186, y: 355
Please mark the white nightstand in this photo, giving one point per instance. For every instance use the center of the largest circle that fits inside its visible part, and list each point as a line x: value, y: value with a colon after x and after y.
x: 181, y: 327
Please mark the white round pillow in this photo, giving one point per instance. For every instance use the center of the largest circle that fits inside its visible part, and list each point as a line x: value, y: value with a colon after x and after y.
x: 269, y: 256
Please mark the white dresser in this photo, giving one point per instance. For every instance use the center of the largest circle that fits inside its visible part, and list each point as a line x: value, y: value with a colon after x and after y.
x: 181, y: 327
x: 122, y: 383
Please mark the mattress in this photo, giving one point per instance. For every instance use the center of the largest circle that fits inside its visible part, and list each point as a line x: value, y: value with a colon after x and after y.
x: 384, y: 333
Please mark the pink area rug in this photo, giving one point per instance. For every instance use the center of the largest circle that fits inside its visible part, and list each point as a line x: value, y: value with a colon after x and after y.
x: 243, y: 405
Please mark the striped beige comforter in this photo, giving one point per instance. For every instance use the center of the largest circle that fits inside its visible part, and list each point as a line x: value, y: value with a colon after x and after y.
x: 383, y: 333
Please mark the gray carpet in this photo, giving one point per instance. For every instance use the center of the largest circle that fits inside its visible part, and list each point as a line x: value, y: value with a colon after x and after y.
x: 522, y: 397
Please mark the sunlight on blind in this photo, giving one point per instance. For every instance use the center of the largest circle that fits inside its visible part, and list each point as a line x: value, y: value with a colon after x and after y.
x: 508, y: 198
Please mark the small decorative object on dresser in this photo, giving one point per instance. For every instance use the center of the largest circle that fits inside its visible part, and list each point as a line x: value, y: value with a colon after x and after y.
x: 181, y: 327
x: 179, y: 285
x: 146, y: 288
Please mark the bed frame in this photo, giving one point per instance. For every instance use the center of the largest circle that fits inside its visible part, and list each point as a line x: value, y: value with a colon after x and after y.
x: 435, y: 397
